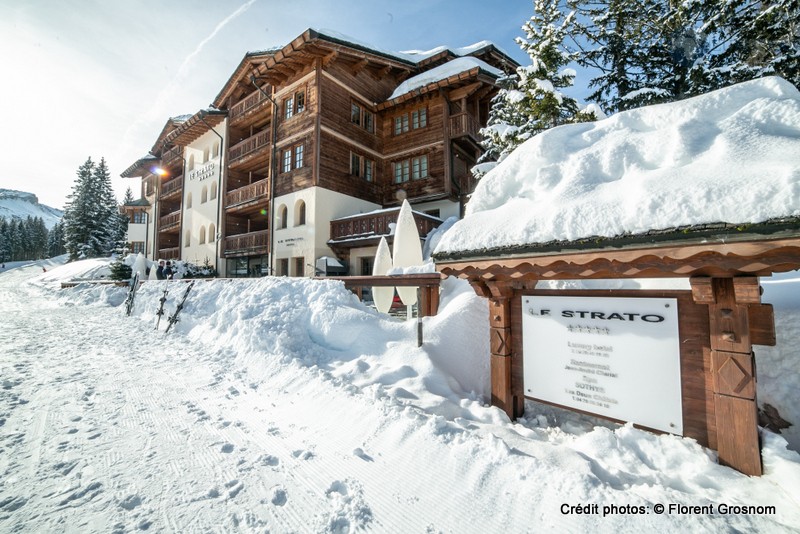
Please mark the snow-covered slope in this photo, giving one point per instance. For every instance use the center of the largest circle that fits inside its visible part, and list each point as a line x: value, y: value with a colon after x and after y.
x: 21, y: 205
x: 284, y: 405
x: 729, y: 156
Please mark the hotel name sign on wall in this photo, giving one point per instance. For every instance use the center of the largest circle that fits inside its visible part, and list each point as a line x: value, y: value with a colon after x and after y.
x: 615, y: 357
x: 206, y: 171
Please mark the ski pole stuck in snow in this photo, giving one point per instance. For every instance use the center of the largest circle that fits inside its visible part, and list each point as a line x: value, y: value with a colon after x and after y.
x: 161, y: 301
x: 131, y: 294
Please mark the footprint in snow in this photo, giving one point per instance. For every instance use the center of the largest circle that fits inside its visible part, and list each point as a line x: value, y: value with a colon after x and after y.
x: 227, y: 448
x: 279, y: 497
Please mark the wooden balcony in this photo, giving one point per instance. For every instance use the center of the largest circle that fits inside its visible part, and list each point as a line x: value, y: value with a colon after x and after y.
x: 173, y: 253
x: 170, y: 157
x: 168, y: 189
x: 251, y: 104
x: 170, y: 221
x: 373, y: 225
x: 250, y: 147
x: 247, y: 195
x: 246, y: 244
x: 464, y: 125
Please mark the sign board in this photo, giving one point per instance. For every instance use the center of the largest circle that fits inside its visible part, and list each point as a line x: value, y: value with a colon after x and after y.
x: 615, y: 357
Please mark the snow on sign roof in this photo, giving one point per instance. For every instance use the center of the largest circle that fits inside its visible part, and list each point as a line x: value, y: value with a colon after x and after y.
x: 442, y: 72
x: 729, y: 156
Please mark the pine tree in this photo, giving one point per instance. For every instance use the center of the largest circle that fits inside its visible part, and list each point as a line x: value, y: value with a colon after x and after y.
x: 5, y: 240
x: 128, y: 197
x: 752, y: 39
x: 55, y: 240
x: 532, y: 101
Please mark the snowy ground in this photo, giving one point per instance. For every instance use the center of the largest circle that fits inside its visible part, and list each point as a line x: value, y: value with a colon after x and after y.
x: 284, y: 405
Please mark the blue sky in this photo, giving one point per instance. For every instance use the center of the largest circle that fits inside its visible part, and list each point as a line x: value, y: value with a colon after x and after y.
x: 100, y: 78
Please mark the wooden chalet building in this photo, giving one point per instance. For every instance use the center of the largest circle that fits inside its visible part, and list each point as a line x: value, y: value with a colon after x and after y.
x: 308, y: 148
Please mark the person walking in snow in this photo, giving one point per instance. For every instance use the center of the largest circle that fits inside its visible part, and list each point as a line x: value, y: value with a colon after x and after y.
x: 160, y: 270
x: 168, y: 272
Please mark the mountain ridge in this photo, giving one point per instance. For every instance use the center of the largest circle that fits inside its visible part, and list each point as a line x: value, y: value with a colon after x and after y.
x: 21, y: 204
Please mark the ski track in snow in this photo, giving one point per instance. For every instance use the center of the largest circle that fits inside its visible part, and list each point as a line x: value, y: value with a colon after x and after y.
x: 109, y: 426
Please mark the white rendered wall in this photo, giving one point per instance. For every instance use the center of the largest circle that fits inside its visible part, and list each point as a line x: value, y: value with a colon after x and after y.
x: 309, y: 241
x: 198, y: 216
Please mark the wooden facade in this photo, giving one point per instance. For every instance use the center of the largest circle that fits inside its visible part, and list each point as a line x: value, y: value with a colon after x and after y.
x: 317, y: 113
x: 720, y: 319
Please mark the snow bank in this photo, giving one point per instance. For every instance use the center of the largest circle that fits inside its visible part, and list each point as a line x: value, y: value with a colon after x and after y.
x: 732, y: 156
x: 262, y: 376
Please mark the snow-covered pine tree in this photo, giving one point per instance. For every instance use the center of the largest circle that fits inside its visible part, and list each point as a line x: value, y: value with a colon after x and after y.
x: 79, y: 222
x: 109, y: 219
x: 128, y: 199
x: 532, y: 101
x: 753, y: 39
x: 647, y: 51
x: 55, y: 240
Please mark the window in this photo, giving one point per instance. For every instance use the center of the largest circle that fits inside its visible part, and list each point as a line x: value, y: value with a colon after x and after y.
x: 205, y: 154
x: 213, y: 191
x: 139, y: 217
x: 212, y: 236
x: 187, y: 238
x: 293, y: 155
x: 400, y: 124
x: 414, y: 168
x: 283, y: 216
x: 202, y: 239
x: 294, y: 104
x: 191, y: 162
x: 204, y: 195
x: 137, y: 247
x: 362, y: 117
x: 369, y: 121
x: 362, y: 167
x: 287, y: 160
x: 300, y: 213
x: 288, y: 107
x: 401, y: 171
x: 433, y: 213
x: 299, y: 266
x: 419, y: 167
x: 369, y: 170
x: 188, y: 201
x: 283, y: 267
x: 215, y: 150
x: 419, y: 118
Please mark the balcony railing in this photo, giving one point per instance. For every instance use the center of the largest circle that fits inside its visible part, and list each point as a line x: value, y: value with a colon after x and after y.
x: 376, y: 224
x: 170, y: 220
x: 172, y: 253
x: 252, y: 101
x: 168, y: 157
x: 249, y: 193
x: 464, y: 124
x: 167, y: 188
x: 249, y: 241
x: 248, y: 146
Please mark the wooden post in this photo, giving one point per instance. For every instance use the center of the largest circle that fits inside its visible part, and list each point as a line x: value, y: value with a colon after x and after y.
x: 733, y: 368
x: 499, y: 296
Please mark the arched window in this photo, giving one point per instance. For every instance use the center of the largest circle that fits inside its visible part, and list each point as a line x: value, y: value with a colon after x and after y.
x: 188, y: 201
x: 212, y: 234
x: 299, y: 213
x: 283, y: 216
x: 205, y: 154
x: 204, y: 195
x: 191, y: 162
x: 202, y: 235
x: 215, y: 150
x: 187, y: 240
x: 213, y: 191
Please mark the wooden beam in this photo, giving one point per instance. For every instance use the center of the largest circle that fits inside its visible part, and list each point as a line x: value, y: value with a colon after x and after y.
x: 330, y: 58
x: 464, y: 92
x: 359, y: 66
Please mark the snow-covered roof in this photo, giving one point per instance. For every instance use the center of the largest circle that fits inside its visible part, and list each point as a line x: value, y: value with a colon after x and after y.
x: 442, y: 72
x: 380, y: 211
x: 731, y: 156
